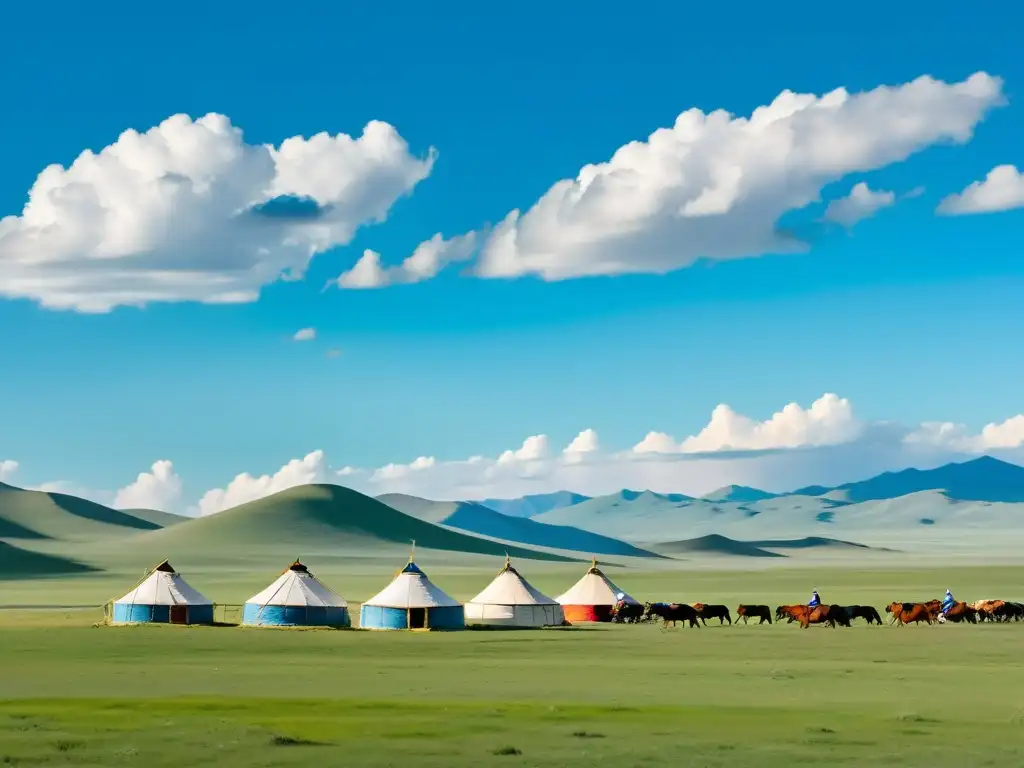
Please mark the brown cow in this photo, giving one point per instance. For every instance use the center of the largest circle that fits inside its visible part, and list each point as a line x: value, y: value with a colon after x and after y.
x: 912, y: 613
x: 746, y: 612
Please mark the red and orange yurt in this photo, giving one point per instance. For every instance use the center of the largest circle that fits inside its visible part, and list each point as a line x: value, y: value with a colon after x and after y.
x: 593, y: 597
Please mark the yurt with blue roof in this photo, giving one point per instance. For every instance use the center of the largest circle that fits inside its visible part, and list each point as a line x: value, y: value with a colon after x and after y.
x: 163, y: 597
x: 297, y: 598
x: 412, y: 601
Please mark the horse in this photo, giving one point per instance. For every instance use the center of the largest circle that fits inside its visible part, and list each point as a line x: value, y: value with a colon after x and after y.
x: 672, y: 612
x: 719, y: 612
x: 961, y: 612
x: 912, y: 613
x: 866, y: 612
x: 627, y: 613
x: 746, y: 612
x: 819, y: 614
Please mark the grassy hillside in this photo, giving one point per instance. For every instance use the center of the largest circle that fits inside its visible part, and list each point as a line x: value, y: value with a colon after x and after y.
x: 18, y: 563
x: 714, y: 545
x: 316, y: 518
x: 59, y: 516
x: 155, y: 516
x: 478, y: 519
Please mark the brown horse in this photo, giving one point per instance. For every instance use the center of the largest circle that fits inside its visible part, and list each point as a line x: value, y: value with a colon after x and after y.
x: 961, y: 612
x: 912, y: 613
x: 719, y: 612
x: 746, y: 612
x: 821, y: 614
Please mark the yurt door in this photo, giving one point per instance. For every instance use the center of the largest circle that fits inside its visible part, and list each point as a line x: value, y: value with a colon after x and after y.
x: 179, y: 614
x: 417, y: 618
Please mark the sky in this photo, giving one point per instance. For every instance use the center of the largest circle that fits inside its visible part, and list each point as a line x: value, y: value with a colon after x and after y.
x: 466, y: 252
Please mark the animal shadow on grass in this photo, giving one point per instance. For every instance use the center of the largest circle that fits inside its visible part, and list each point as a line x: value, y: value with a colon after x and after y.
x: 587, y: 735
x: 506, y: 751
x: 293, y: 741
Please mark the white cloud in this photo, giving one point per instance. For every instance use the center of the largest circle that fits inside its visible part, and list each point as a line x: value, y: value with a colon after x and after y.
x: 862, y: 203
x: 8, y: 468
x: 429, y: 258
x: 1008, y: 434
x: 829, y: 421
x: 305, y: 334
x: 822, y: 444
x: 1002, y: 190
x: 188, y: 211
x: 312, y: 468
x: 715, y: 186
x: 160, y: 488
x: 583, y: 446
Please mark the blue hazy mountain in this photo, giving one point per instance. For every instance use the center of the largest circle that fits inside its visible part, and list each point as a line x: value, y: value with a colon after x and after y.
x: 740, y: 493
x: 484, y: 521
x: 981, y: 479
x: 536, y: 504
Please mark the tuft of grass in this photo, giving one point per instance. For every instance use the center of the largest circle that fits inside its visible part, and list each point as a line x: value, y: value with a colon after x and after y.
x: 66, y: 745
x: 911, y: 717
x: 502, y: 751
x: 293, y: 741
x: 587, y: 735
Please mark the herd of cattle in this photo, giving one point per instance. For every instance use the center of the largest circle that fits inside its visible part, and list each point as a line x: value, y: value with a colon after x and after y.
x: 696, y: 614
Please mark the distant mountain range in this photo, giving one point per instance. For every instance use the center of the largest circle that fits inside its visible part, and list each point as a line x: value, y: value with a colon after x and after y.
x: 54, y: 533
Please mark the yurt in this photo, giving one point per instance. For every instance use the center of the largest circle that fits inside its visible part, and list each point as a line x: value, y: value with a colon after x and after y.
x: 163, y: 597
x: 296, y: 599
x: 592, y: 597
x: 511, y: 601
x: 411, y: 601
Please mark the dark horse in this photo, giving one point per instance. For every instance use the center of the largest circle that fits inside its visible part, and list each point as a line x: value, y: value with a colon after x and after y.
x: 719, y: 612
x: 672, y: 612
x: 746, y: 612
x: 627, y: 613
x: 866, y: 612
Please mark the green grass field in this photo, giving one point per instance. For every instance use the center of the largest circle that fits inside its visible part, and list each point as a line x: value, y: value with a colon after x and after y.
x: 74, y: 694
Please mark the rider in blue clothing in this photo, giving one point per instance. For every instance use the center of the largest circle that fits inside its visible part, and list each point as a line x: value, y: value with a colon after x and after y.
x: 815, y: 601
x: 947, y: 602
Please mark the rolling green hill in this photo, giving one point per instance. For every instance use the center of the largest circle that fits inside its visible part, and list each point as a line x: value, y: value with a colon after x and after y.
x: 714, y: 545
x: 317, y: 518
x: 36, y: 514
x: 18, y: 563
x: 155, y: 516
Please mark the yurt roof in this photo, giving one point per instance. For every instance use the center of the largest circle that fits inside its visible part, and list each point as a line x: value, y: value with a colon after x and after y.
x: 510, y: 588
x: 297, y: 586
x: 594, y: 589
x: 412, y: 589
x: 164, y: 586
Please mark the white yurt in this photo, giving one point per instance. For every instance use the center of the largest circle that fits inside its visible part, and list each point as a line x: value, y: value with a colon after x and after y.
x: 411, y: 601
x: 511, y: 601
x: 163, y: 597
x: 297, y: 598
x: 593, y: 597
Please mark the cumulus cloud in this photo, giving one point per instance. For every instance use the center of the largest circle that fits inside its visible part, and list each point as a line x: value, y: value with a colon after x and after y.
x: 824, y: 443
x: 312, y: 468
x: 714, y: 186
x: 429, y: 258
x: 160, y: 488
x: 8, y: 468
x: 305, y: 334
x: 189, y: 211
x: 829, y: 421
x: 862, y: 203
x: 1002, y: 190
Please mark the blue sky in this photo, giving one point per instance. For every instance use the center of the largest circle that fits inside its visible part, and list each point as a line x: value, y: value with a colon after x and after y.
x: 911, y: 316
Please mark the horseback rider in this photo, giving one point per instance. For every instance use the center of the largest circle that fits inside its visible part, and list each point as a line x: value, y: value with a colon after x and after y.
x: 815, y: 601
x: 947, y: 605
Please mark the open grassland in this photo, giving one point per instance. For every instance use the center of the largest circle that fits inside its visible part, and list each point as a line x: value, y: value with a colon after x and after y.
x: 71, y: 694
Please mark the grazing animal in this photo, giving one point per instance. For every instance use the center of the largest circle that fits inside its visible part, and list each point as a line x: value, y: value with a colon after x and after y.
x: 912, y: 613
x: 719, y: 612
x: 746, y: 612
x: 866, y: 612
x: 672, y: 612
x: 821, y: 614
x: 627, y: 613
